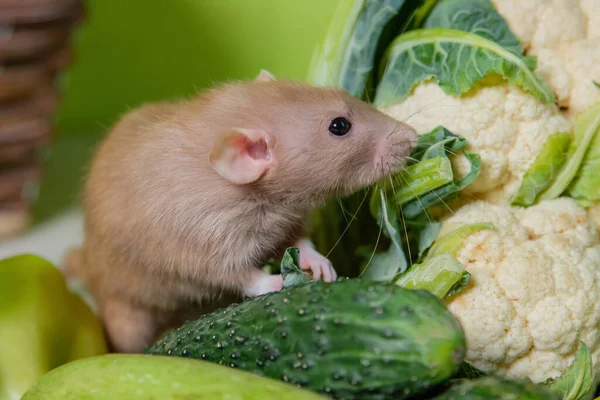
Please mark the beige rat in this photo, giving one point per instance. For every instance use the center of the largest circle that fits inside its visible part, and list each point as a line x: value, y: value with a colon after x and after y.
x: 185, y: 201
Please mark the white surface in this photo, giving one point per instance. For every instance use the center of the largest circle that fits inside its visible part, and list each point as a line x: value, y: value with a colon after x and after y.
x: 50, y: 240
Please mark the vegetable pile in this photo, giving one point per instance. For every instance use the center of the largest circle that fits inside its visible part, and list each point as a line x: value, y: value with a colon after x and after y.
x: 473, y: 273
x: 507, y: 221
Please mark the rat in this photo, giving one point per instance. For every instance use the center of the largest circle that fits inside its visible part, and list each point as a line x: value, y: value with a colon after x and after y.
x: 185, y: 200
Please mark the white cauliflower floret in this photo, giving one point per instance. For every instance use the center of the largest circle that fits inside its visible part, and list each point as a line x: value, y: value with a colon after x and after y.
x: 590, y: 8
x: 528, y: 305
x: 544, y: 23
x: 594, y: 214
x: 504, y: 125
x: 565, y: 36
x: 582, y: 62
x: 570, y: 72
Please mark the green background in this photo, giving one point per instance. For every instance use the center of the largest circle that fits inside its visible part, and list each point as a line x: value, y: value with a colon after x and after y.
x: 132, y: 51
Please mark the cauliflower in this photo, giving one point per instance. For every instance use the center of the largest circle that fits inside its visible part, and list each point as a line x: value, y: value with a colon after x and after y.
x: 504, y: 125
x: 545, y: 23
x: 565, y: 36
x: 532, y: 278
x: 570, y: 72
x: 594, y: 214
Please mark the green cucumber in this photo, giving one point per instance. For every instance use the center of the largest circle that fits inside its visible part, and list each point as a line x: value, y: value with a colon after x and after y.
x: 144, y: 377
x: 349, y: 339
x: 489, y: 387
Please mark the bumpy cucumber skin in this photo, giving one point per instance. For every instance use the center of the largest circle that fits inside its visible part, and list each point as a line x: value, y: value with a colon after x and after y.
x: 349, y: 339
x: 495, y: 388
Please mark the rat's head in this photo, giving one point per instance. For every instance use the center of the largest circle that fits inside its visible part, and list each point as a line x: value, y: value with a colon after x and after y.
x: 304, y: 144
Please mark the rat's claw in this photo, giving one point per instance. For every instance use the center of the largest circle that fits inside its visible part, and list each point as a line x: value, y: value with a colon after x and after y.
x: 316, y: 271
x: 333, y: 273
x: 319, y: 265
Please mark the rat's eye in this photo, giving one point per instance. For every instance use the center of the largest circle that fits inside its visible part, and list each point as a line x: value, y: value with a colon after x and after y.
x: 339, y: 126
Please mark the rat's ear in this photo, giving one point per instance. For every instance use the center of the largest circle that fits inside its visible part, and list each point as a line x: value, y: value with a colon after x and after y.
x: 265, y: 76
x: 241, y: 156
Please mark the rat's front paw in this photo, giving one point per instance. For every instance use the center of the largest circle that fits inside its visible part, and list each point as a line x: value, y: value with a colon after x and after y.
x: 319, y: 265
x: 263, y: 284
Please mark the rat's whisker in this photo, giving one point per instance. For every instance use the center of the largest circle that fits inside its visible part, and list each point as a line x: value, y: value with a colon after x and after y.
x: 423, y: 109
x: 366, y: 92
x: 345, y: 213
x: 376, y: 245
x: 411, y: 141
x: 348, y: 225
x: 415, y: 194
x: 380, y: 224
x: 471, y: 195
x: 398, y: 158
x: 453, y: 153
x: 404, y: 224
x: 406, y: 144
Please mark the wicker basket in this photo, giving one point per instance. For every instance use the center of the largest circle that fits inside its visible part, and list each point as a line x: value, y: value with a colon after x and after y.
x: 34, y: 48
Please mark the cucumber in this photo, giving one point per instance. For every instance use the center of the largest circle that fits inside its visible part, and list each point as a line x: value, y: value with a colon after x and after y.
x: 144, y: 377
x: 489, y: 387
x: 350, y: 339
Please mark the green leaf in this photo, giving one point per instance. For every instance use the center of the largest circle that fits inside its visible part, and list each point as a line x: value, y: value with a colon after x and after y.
x: 345, y: 58
x: 290, y: 268
x: 427, y: 237
x: 544, y: 169
x: 421, y: 178
x: 587, y: 125
x: 437, y: 143
x: 586, y: 184
x: 452, y: 241
x: 388, y: 220
x: 596, y: 84
x: 576, y: 382
x: 420, y: 14
x: 444, y: 193
x: 468, y: 371
x: 383, y: 266
x: 456, y: 60
x: 475, y: 16
x: 441, y: 275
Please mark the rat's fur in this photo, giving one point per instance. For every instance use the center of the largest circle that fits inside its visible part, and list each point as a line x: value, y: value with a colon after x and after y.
x: 165, y: 233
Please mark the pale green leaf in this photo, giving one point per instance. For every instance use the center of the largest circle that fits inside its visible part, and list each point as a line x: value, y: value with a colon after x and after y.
x: 290, y: 268
x: 456, y: 60
x: 420, y: 14
x: 427, y: 237
x: 577, y: 381
x: 441, y: 275
x: 444, y: 193
x: 587, y: 125
x: 453, y: 241
x: 476, y: 16
x: 544, y: 169
x: 346, y: 57
x: 383, y: 266
x: 421, y: 178
x: 586, y: 184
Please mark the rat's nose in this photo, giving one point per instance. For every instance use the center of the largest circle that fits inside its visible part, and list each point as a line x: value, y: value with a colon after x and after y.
x: 402, y: 138
x: 395, y: 147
